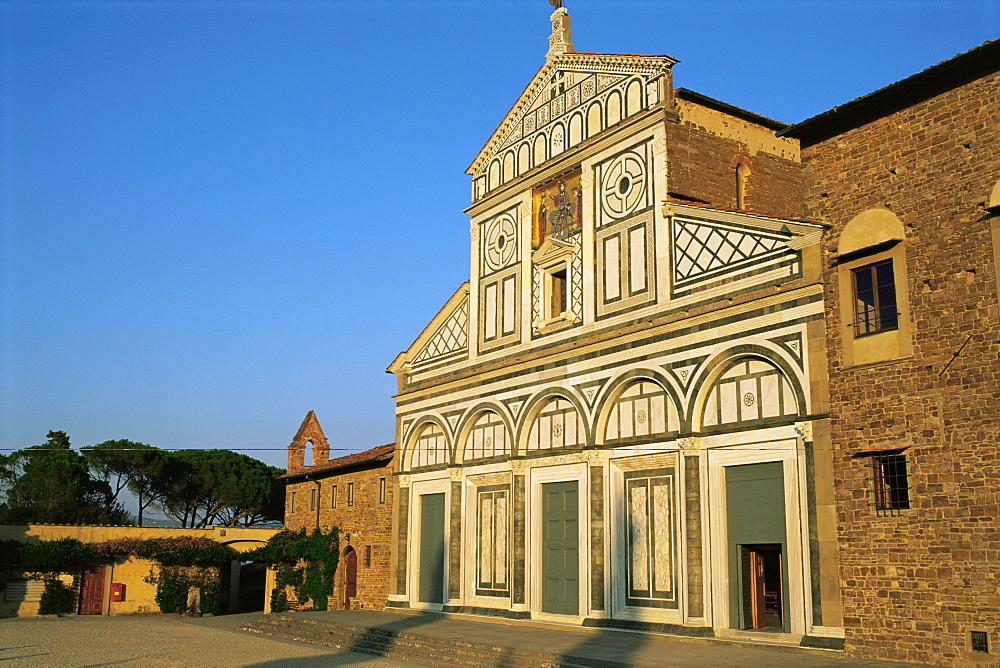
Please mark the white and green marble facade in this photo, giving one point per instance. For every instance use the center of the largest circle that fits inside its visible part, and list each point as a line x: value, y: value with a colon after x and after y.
x: 687, y: 345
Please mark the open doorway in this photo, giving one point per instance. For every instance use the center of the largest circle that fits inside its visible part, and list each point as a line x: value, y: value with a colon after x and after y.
x: 763, y: 594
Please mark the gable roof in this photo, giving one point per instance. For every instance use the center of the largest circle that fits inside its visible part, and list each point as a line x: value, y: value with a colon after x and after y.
x: 310, y: 430
x: 576, y: 62
x: 382, y: 453
x: 441, y: 326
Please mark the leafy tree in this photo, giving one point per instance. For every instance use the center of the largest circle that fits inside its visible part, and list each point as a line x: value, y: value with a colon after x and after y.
x: 50, y: 483
x: 126, y: 464
x: 221, y: 487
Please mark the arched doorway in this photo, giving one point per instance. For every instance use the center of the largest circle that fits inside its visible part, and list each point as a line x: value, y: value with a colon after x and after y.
x: 350, y: 577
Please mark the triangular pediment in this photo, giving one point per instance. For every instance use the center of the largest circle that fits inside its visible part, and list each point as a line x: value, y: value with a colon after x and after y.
x: 553, y: 250
x: 556, y: 103
x: 445, y: 338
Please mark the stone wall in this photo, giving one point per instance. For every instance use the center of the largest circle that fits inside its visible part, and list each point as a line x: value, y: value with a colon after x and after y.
x: 704, y: 148
x: 916, y: 583
x: 364, y: 526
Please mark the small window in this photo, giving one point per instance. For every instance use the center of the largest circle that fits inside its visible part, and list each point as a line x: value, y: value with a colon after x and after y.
x: 350, y: 494
x: 291, y: 503
x: 875, y: 298
x: 980, y: 641
x: 312, y: 500
x: 368, y: 556
x: 333, y: 496
x: 557, y: 283
x: 892, y: 492
x: 381, y: 490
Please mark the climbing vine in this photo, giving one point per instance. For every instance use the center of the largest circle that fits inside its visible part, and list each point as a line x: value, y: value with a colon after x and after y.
x: 185, y: 562
x: 305, y: 563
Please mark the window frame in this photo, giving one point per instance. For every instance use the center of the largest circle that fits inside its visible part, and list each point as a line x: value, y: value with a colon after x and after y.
x: 350, y: 494
x: 381, y: 490
x: 870, y: 318
x: 890, y: 488
x: 887, y: 345
x: 333, y: 496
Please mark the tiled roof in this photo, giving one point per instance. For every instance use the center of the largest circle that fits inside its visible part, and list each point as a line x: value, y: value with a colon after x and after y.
x: 732, y: 109
x: 381, y: 453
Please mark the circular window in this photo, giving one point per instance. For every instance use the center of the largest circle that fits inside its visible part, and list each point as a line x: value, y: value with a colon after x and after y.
x: 623, y: 185
x: 501, y: 241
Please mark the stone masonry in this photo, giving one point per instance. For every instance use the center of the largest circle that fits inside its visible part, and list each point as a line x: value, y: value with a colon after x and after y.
x: 917, y: 582
x: 353, y: 493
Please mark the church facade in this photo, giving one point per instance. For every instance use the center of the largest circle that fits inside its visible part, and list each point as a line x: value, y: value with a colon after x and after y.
x: 621, y: 419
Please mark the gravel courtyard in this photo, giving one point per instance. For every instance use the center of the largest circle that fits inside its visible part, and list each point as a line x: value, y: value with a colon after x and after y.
x: 157, y: 641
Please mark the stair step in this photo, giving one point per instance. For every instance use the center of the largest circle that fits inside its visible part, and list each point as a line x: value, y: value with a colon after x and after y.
x: 419, y: 649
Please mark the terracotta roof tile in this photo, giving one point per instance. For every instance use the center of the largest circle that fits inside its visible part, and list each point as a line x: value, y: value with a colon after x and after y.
x: 381, y: 453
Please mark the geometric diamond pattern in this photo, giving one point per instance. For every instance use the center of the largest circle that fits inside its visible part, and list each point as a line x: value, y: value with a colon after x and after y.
x: 452, y: 335
x: 702, y: 248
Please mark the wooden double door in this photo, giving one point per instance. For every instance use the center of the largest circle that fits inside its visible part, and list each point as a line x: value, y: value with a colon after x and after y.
x: 92, y: 591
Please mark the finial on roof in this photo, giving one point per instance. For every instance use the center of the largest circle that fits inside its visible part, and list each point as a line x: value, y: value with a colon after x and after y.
x: 561, y: 40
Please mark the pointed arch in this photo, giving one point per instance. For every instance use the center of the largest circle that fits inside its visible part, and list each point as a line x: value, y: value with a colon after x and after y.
x: 427, y: 444
x: 554, y: 419
x: 641, y: 404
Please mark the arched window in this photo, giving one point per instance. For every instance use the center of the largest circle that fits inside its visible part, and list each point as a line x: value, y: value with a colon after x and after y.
x: 742, y: 176
x: 750, y: 389
x: 556, y: 425
x: 486, y: 438
x: 429, y: 447
x: 643, y: 409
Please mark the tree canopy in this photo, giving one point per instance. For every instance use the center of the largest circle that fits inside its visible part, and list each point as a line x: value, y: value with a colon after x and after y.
x: 52, y: 483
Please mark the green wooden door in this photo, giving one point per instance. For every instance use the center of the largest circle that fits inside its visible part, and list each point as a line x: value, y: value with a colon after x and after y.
x: 560, y: 548
x: 431, y: 548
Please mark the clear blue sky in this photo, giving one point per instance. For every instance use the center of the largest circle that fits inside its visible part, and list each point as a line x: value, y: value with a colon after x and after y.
x: 216, y: 216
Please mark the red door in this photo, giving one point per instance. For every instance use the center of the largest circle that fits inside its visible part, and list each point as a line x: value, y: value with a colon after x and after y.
x: 350, y: 577
x: 92, y: 595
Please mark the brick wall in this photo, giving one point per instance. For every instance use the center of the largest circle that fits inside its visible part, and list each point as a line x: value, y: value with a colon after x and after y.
x: 914, y: 585
x: 703, y: 147
x: 364, y: 526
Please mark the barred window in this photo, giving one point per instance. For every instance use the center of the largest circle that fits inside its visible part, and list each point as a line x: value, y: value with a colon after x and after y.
x: 890, y: 482
x: 875, y: 298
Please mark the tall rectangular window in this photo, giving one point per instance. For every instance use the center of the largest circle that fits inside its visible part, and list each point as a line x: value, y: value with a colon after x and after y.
x: 312, y: 500
x: 350, y: 494
x: 892, y: 492
x: 333, y: 496
x: 291, y: 503
x: 381, y: 490
x: 368, y: 556
x: 875, y: 298
x: 557, y: 281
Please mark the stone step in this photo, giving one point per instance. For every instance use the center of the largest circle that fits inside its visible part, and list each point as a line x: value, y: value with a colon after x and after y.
x: 409, y: 654
x: 406, y: 646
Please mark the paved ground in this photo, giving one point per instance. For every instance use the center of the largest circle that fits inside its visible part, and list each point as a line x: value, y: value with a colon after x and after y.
x: 162, y: 641
x: 639, y: 649
x: 158, y: 642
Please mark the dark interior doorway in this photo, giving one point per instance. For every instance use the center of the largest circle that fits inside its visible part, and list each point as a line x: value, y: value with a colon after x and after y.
x: 763, y: 597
